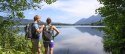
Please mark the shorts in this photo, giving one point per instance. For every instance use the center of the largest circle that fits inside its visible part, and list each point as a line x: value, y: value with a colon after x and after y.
x: 35, y: 44
x: 49, y: 44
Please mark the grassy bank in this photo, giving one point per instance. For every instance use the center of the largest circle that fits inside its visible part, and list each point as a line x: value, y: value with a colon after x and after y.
x: 17, y: 45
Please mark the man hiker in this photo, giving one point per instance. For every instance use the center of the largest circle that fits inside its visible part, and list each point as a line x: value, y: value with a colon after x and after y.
x: 36, y: 30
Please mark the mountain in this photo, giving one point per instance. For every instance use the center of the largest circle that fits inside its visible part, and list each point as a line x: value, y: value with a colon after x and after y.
x: 89, y: 20
x: 27, y: 21
x: 22, y: 21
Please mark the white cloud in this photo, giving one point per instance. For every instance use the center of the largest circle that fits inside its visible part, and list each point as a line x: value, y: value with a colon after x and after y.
x: 69, y: 11
x: 79, y: 8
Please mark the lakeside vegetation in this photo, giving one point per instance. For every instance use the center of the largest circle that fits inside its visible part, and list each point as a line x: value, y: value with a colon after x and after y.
x: 10, y: 42
x: 114, y: 13
x: 16, y: 45
x: 98, y: 23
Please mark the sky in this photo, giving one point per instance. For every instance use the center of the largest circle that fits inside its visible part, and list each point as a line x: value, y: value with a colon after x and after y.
x: 64, y: 11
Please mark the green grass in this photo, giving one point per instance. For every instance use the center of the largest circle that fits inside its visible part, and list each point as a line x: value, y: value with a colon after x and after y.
x: 18, y: 45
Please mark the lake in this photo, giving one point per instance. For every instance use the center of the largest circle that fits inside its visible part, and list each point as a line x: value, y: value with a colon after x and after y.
x: 79, y: 40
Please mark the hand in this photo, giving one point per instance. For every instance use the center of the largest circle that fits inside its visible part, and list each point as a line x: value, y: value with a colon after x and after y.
x: 41, y: 26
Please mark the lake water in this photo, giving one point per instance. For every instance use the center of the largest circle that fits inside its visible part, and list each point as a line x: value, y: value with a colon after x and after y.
x: 79, y: 40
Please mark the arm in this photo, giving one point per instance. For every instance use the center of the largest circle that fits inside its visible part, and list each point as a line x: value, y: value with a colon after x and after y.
x: 40, y: 29
x: 57, y: 31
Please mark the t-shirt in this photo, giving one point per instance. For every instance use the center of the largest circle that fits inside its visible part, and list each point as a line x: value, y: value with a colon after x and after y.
x: 36, y: 26
x: 35, y: 34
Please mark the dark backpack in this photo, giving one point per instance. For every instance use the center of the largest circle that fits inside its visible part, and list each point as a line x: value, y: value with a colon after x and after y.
x: 48, y: 34
x: 28, y: 31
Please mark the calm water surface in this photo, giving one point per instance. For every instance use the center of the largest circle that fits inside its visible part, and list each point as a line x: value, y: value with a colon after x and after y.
x: 79, y: 40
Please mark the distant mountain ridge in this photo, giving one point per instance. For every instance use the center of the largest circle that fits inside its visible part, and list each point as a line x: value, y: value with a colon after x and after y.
x: 89, y: 20
x: 27, y: 21
x: 22, y: 21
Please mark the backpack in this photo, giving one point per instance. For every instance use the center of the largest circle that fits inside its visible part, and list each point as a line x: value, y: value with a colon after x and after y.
x: 48, y: 34
x: 28, y: 31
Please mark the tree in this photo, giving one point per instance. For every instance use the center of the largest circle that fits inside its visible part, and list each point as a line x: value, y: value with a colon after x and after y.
x: 9, y: 40
x: 114, y: 13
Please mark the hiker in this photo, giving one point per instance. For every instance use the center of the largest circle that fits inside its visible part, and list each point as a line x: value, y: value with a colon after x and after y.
x: 36, y: 30
x: 48, y: 36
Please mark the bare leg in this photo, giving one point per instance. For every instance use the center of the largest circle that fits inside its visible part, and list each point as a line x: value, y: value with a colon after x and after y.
x: 51, y: 51
x: 39, y: 50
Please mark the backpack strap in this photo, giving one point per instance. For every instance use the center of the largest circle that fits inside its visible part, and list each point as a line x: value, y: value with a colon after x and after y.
x: 49, y: 28
x: 46, y: 26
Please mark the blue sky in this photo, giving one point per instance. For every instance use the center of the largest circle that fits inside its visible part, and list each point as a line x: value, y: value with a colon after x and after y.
x: 64, y: 11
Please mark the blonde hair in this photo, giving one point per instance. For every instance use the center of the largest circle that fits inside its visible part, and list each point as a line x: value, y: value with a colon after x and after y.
x: 36, y: 17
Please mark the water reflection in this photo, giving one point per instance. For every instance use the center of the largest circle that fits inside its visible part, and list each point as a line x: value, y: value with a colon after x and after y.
x: 91, y: 30
x: 79, y: 40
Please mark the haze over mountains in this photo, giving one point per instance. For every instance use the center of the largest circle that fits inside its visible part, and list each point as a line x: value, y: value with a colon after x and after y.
x: 89, y: 20
x: 27, y: 21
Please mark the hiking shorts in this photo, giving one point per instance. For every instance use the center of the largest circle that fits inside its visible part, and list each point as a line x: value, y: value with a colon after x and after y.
x: 49, y: 44
x: 35, y: 44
